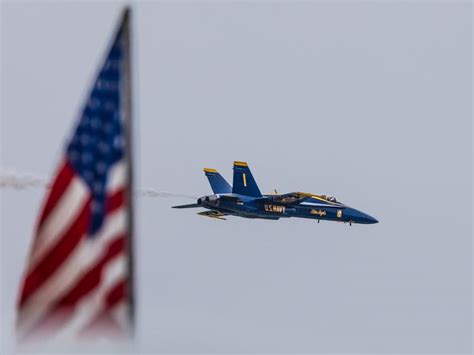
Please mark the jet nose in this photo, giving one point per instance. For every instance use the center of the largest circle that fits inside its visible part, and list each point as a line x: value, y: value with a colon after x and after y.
x: 371, y: 220
x: 368, y: 219
x: 364, y: 218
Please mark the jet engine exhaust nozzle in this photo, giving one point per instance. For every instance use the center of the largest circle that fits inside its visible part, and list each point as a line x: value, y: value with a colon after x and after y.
x: 208, y: 200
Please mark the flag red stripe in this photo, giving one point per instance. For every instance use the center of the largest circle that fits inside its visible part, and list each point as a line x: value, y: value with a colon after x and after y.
x: 115, y: 200
x: 116, y: 294
x: 51, y: 262
x: 58, y: 188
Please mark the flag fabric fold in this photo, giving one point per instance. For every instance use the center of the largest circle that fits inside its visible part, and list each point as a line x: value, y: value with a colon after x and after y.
x: 77, y: 282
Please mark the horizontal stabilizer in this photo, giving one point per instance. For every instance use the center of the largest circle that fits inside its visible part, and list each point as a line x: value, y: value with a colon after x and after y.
x: 192, y: 205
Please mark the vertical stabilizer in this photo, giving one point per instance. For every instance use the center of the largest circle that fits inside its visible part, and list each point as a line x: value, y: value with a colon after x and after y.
x: 244, y: 183
x: 218, y: 184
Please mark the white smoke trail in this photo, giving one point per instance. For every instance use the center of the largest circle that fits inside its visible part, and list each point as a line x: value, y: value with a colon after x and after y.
x: 13, y: 180
x: 17, y: 181
x: 149, y: 192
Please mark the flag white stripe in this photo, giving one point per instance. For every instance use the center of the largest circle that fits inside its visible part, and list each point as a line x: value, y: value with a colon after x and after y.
x: 60, y: 218
x: 117, y: 177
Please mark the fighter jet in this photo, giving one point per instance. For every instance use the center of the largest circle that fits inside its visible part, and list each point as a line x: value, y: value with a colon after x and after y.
x: 244, y: 199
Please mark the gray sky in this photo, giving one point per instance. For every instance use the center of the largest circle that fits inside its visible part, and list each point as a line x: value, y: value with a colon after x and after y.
x: 368, y: 101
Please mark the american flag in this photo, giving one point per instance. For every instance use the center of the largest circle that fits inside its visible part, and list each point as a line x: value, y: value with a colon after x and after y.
x: 78, y: 276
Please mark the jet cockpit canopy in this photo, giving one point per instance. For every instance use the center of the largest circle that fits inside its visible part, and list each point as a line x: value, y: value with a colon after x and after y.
x: 295, y: 197
x: 329, y: 198
x: 289, y: 198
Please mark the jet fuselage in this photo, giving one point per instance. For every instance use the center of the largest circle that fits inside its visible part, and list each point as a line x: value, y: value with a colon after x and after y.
x: 271, y: 207
x: 244, y: 199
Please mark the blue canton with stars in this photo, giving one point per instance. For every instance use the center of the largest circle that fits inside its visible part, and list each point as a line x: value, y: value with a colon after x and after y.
x: 98, y: 142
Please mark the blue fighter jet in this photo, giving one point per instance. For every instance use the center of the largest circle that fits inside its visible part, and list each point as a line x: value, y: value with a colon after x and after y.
x: 244, y: 199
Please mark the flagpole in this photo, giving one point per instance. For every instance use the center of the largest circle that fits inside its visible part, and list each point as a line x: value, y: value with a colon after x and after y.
x: 128, y: 123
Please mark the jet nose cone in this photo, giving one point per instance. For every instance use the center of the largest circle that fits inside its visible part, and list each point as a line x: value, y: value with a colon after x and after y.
x: 368, y: 219
x: 364, y: 218
x: 371, y: 220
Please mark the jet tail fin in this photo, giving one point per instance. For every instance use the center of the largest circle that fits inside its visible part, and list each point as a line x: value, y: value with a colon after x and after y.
x: 218, y: 184
x: 244, y: 183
